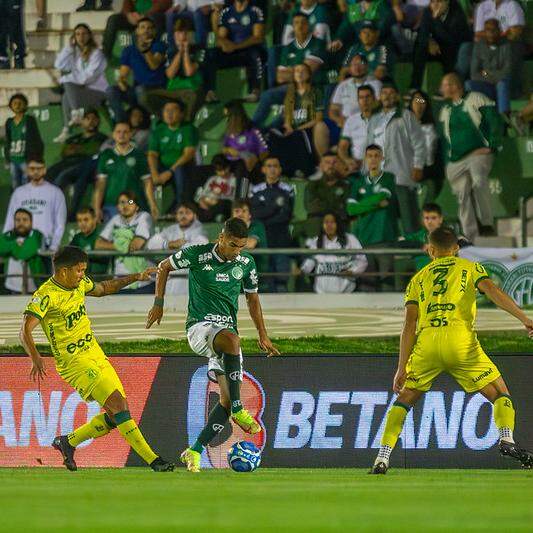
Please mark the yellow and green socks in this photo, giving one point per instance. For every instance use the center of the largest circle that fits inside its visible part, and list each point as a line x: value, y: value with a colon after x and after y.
x: 393, y: 428
x: 504, y: 415
x: 132, y: 434
x: 98, y: 426
x: 215, y: 424
x: 232, y: 367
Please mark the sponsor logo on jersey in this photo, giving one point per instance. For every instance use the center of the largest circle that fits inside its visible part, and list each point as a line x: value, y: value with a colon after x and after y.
x: 222, y: 277
x: 237, y: 272
x: 202, y: 258
x: 73, y: 318
x: 80, y: 344
x: 440, y: 307
x: 44, y: 303
x: 217, y: 318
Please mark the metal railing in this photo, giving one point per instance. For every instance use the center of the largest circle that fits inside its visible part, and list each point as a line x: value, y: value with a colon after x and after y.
x: 293, y: 253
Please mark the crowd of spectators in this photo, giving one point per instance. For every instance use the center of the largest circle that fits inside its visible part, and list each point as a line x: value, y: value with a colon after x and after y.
x: 328, y: 111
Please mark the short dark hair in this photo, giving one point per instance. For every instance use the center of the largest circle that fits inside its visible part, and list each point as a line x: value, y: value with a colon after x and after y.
x: 220, y: 161
x: 129, y: 194
x: 19, y: 96
x: 329, y: 153
x: 443, y: 238
x: 92, y: 111
x: 121, y: 122
x: 366, y: 87
x: 86, y: 209
x: 176, y: 101
x: 35, y: 158
x: 235, y: 227
x: 432, y: 208
x: 373, y: 147
x: 188, y: 205
x: 239, y: 204
x: 183, y: 24
x: 25, y: 211
x: 68, y: 256
x: 146, y: 19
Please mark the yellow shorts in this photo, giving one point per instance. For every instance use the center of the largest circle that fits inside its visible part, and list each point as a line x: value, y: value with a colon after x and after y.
x: 454, y: 350
x: 93, y: 376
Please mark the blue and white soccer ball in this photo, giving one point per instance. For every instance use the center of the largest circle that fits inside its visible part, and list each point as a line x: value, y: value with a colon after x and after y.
x: 244, y: 456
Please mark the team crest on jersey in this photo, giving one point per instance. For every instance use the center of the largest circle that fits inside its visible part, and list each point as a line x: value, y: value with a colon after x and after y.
x: 245, y: 21
x: 130, y: 161
x: 237, y: 272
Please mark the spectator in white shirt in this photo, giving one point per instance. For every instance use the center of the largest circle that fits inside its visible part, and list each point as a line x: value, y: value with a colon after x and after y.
x: 334, y: 273
x: 44, y: 201
x: 344, y: 101
x: 187, y: 231
x: 82, y: 65
x: 509, y: 14
x: 352, y: 143
x: 128, y: 231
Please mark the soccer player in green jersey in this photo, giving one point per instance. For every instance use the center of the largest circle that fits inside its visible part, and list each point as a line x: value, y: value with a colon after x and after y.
x: 216, y: 274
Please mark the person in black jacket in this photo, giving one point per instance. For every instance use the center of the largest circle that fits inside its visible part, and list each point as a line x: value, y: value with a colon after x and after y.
x: 442, y: 31
x: 272, y: 203
x: 22, y: 139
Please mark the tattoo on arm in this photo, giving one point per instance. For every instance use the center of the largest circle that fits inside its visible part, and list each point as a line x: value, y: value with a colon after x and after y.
x: 111, y: 286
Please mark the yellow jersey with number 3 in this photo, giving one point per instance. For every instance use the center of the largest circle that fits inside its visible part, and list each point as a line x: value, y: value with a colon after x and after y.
x: 64, y: 319
x: 445, y: 292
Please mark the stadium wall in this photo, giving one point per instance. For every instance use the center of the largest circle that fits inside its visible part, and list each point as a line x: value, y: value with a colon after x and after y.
x: 135, y: 303
x: 319, y: 411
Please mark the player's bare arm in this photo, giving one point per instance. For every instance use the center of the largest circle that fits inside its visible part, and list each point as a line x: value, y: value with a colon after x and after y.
x: 407, y: 341
x: 256, y: 313
x: 156, y: 313
x: 38, y: 369
x: 505, y: 302
x: 111, y: 286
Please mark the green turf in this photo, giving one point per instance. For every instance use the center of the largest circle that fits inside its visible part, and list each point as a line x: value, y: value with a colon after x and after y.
x: 504, y: 342
x: 303, y: 500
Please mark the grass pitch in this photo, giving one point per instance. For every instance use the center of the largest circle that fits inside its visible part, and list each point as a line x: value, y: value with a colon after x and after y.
x: 303, y: 500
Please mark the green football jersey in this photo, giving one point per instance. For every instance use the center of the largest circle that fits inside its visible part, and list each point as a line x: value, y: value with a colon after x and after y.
x: 215, y: 284
x: 170, y: 143
x: 97, y: 265
x: 123, y: 172
x: 17, y: 148
x: 295, y: 54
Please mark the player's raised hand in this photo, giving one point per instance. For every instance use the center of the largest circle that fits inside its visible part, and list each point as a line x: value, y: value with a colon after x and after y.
x: 155, y: 315
x: 529, y: 327
x: 399, y: 380
x: 38, y: 369
x: 145, y: 276
x: 266, y: 345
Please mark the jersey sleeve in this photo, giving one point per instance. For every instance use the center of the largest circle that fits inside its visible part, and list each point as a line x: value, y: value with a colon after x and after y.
x: 184, y: 258
x: 411, y: 293
x: 250, y: 282
x: 101, y: 169
x: 39, y: 304
x: 88, y: 284
x: 478, y: 273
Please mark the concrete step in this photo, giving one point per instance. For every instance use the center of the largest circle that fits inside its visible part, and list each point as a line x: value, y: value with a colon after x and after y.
x: 40, y: 59
x: 36, y: 78
x: 53, y: 40
x: 64, y: 6
x: 67, y: 21
x: 36, y: 97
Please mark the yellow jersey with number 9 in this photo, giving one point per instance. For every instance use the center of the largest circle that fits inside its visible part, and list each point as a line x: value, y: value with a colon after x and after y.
x: 445, y: 292
x: 64, y: 319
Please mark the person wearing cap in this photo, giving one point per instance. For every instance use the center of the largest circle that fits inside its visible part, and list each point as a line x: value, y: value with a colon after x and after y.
x: 344, y: 101
x: 400, y: 136
x: 368, y: 46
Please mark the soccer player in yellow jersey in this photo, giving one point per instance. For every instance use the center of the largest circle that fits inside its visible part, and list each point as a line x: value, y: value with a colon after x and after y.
x: 59, y: 306
x: 438, y: 336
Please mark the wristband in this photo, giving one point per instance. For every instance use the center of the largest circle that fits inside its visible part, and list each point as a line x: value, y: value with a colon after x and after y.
x: 159, y: 301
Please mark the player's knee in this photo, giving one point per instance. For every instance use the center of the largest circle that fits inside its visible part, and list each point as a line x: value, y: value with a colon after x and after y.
x: 228, y: 342
x: 115, y: 403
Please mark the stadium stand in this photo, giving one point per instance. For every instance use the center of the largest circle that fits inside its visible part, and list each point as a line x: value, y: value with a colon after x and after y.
x: 511, y: 178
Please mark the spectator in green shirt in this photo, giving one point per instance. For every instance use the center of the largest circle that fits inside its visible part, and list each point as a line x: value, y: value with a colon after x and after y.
x: 21, y: 245
x: 79, y: 156
x: 171, y: 149
x: 304, y: 49
x: 22, y: 139
x: 372, y: 201
x: 123, y: 167
x: 89, y: 231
